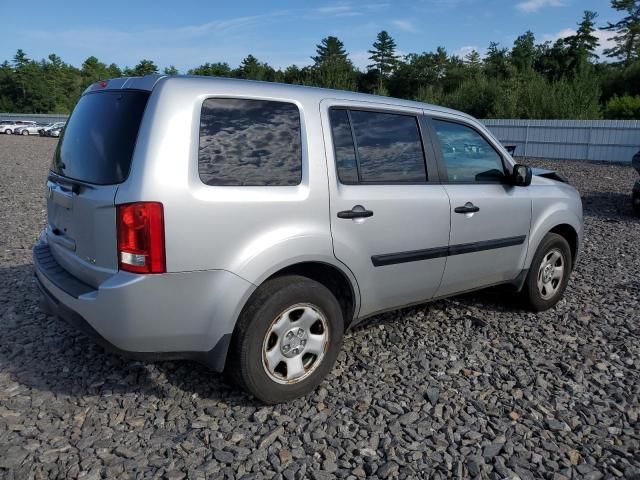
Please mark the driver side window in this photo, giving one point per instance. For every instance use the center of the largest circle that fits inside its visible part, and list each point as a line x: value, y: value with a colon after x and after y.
x: 467, y: 155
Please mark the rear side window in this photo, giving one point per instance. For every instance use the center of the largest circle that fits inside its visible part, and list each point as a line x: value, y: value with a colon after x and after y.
x: 387, y: 148
x: 249, y: 143
x: 99, y: 138
x: 343, y: 145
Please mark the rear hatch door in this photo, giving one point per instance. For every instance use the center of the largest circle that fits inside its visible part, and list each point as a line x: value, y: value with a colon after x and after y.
x: 93, y: 157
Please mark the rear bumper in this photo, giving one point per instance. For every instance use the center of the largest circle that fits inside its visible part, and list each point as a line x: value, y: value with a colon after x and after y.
x: 187, y: 315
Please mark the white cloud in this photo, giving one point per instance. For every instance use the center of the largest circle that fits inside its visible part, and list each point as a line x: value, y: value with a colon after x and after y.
x: 348, y: 9
x: 603, y: 37
x: 404, y: 25
x: 462, y: 52
x: 530, y: 6
x: 564, y: 33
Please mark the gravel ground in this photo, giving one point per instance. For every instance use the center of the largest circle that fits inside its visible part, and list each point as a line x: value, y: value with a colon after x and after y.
x: 467, y: 387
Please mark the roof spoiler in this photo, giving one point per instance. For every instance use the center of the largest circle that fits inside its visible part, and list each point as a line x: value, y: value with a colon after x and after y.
x: 136, y: 83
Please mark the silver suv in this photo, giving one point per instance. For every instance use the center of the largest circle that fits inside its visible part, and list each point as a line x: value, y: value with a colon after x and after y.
x: 246, y: 225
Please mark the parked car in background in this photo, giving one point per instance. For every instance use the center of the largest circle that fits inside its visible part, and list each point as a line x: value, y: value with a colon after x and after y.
x: 248, y: 224
x: 50, y: 126
x: 10, y: 126
x: 54, y: 132
x: 29, y: 129
x: 635, y: 195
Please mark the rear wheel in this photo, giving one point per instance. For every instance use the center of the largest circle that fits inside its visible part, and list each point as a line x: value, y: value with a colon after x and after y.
x: 24, y: 132
x: 549, y: 273
x: 8, y: 131
x: 287, y: 339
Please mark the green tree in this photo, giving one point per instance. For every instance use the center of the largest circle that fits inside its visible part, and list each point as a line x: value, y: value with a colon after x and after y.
x: 496, y: 62
x: 627, y: 32
x: 7, y: 88
x: 145, y: 67
x: 383, y: 55
x: 419, y: 71
x: 626, y: 107
x: 93, y: 70
x: 523, y: 53
x: 252, y: 69
x: 582, y: 45
x: 171, y: 70
x: 330, y: 50
x: 219, y: 69
x: 473, y: 63
x: 332, y: 67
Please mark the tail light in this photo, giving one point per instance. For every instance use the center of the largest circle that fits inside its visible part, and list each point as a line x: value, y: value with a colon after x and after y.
x: 141, y: 237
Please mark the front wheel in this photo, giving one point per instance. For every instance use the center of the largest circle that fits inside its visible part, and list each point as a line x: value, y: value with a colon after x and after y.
x: 24, y: 132
x: 8, y: 131
x: 287, y: 339
x: 549, y: 273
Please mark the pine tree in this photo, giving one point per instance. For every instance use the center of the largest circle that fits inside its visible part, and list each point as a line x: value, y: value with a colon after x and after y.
x: 145, y: 67
x: 523, y: 53
x: 218, y: 69
x: 332, y: 68
x: 383, y: 56
x: 330, y: 50
x: 496, y: 63
x: 627, y: 31
x: 582, y: 45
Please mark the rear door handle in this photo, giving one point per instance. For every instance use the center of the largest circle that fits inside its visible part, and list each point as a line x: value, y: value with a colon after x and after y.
x: 467, y: 208
x: 356, y: 212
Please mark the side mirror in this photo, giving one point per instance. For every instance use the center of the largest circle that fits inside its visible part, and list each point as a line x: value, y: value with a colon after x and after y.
x: 521, y: 176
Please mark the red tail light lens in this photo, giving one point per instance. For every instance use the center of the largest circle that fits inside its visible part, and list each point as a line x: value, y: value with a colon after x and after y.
x: 141, y: 237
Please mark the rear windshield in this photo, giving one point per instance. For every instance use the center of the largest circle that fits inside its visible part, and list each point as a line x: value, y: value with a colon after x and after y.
x: 99, y: 138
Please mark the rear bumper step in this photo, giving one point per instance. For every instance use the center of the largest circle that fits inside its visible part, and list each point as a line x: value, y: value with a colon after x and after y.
x: 47, y: 265
x: 187, y: 315
x: 52, y: 306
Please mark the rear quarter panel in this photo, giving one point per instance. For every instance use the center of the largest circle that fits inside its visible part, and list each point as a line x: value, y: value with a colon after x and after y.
x: 250, y: 231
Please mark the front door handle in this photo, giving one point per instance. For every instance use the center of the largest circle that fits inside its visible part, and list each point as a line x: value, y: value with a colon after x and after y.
x: 467, y: 208
x: 356, y: 212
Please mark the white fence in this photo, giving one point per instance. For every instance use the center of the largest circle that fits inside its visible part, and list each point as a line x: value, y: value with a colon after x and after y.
x: 609, y: 140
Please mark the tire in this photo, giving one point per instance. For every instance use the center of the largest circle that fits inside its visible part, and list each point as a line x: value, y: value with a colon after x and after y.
x: 24, y: 132
x: 542, y: 288
x: 268, y: 331
x: 8, y: 131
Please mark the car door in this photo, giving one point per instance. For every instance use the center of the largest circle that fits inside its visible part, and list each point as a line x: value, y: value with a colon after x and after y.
x: 490, y: 218
x: 389, y: 215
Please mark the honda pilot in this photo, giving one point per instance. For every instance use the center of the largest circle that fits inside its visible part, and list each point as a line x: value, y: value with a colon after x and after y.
x: 248, y: 225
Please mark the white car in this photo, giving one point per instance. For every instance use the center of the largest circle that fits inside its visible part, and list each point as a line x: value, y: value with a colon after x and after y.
x: 29, y: 129
x: 10, y: 126
x: 45, y: 129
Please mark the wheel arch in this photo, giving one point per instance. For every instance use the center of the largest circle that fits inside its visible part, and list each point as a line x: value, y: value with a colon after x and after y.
x: 340, y: 281
x: 560, y: 221
x: 571, y: 236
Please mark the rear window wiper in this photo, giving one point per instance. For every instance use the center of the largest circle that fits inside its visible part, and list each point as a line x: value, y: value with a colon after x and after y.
x: 76, y: 185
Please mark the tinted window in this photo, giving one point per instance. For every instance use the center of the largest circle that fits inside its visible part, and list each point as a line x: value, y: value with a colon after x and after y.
x: 389, y: 147
x: 467, y: 155
x: 343, y: 146
x: 249, y: 142
x: 100, y: 136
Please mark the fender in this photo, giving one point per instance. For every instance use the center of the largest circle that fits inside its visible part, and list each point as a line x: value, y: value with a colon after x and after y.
x: 549, y: 212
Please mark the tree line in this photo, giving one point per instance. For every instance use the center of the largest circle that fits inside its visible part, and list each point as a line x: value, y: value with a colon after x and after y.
x: 548, y: 80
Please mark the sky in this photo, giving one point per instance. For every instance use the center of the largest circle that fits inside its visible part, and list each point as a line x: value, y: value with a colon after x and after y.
x: 187, y: 33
